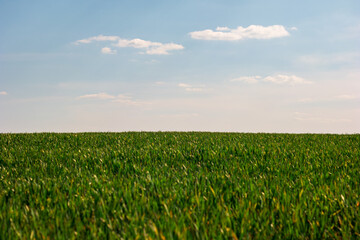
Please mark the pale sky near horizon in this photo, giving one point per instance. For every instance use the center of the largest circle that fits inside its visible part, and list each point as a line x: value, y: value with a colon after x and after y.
x: 238, y: 66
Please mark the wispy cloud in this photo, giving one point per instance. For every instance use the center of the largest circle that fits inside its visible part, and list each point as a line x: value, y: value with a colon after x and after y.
x: 276, y: 79
x: 184, y: 85
x: 121, y: 98
x: 286, y: 79
x: 107, y: 50
x: 127, y: 100
x: 240, y: 33
x: 100, y: 38
x: 97, y: 96
x: 190, y: 88
x: 152, y: 48
x: 3, y: 93
x: 346, y: 97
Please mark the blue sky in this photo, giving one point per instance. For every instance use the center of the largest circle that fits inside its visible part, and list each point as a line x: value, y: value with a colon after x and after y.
x: 243, y: 66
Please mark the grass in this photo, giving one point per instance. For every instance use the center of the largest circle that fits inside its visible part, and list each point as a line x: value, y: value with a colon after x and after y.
x: 179, y: 186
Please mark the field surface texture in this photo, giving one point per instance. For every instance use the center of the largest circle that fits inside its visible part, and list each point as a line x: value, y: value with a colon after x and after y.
x: 179, y: 186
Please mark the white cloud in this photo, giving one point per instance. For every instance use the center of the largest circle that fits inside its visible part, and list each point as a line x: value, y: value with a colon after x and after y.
x: 97, y: 96
x: 190, y: 88
x: 152, y: 48
x: 277, y: 79
x: 293, y: 28
x: 126, y: 100
x: 136, y: 43
x: 164, y: 48
x: 116, y: 99
x: 247, y: 79
x: 3, y: 93
x: 346, y: 97
x: 107, y: 50
x: 286, y: 79
x: 184, y: 85
x: 223, y: 29
x: 239, y: 33
x: 99, y: 38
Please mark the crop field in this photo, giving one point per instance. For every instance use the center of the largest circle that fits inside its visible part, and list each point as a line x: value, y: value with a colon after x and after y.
x: 171, y: 185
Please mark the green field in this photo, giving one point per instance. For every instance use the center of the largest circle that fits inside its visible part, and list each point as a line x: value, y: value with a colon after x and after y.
x: 179, y: 186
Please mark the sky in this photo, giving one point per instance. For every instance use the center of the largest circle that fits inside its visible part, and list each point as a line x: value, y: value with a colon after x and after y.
x: 189, y: 65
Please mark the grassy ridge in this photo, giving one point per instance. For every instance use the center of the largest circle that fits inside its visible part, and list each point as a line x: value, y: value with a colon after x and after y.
x: 179, y: 185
